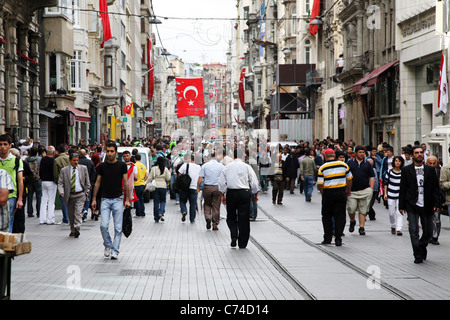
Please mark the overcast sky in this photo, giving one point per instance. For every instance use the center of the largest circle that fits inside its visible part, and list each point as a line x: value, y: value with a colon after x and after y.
x: 195, y: 40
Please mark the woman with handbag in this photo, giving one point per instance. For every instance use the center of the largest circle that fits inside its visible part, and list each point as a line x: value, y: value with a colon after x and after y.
x: 158, y: 178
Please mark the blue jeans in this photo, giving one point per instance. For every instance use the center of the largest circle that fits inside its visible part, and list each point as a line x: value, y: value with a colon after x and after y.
x: 263, y: 181
x: 173, y: 177
x: 253, y: 208
x: 34, y: 187
x: 63, y: 209
x: 308, y: 185
x: 12, y: 207
x: 159, y: 202
x: 115, y: 207
x: 191, y: 195
x: 140, y: 206
x: 87, y: 202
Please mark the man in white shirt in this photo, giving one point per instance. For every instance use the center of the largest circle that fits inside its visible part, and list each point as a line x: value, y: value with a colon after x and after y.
x: 239, y: 182
x: 209, y: 174
x: 193, y: 171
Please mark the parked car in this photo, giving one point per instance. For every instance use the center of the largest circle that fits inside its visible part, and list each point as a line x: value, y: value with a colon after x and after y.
x: 146, y: 159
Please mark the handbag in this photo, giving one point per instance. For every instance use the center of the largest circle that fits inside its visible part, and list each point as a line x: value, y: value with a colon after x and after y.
x: 183, y: 182
x: 151, y: 186
x: 127, y: 223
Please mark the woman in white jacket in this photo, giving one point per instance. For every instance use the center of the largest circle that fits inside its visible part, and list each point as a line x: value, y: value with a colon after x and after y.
x: 161, y: 175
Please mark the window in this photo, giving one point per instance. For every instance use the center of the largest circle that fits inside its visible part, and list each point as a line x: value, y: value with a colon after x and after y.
x: 144, y: 54
x: 143, y: 85
x: 259, y: 88
x: 246, y: 12
x: 294, y: 20
x: 76, y: 12
x: 75, y: 70
x: 53, y: 73
x: 123, y: 31
x: 123, y: 59
x: 108, y: 71
x: 307, y: 7
x: 307, y: 51
x: 143, y: 24
x: 64, y: 8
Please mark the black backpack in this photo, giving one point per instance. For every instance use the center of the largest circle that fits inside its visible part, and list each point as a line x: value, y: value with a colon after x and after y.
x: 183, y: 182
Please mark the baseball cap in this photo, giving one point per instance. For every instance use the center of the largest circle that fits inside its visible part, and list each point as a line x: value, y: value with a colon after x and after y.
x: 329, y: 151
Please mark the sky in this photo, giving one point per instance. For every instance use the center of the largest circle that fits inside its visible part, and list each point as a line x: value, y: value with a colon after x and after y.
x: 195, y: 35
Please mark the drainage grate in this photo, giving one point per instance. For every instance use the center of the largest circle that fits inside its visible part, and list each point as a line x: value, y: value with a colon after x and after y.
x: 132, y: 272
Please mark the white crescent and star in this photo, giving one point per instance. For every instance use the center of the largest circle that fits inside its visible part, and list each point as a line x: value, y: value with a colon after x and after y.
x: 187, y: 89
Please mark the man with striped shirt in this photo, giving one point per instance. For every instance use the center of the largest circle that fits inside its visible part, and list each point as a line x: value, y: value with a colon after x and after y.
x: 334, y: 181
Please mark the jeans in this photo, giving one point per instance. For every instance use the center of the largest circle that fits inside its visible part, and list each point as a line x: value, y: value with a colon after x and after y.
x: 159, y: 202
x: 87, y: 202
x: 308, y: 186
x: 12, y: 207
x: 264, y: 183
x: 140, y: 206
x: 173, y: 177
x: 419, y: 244
x: 34, y: 187
x: 191, y: 195
x: 115, y: 207
x: 64, y: 210
x: 253, y: 208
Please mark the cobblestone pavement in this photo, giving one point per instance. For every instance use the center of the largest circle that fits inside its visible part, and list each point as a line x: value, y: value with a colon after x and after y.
x: 175, y: 260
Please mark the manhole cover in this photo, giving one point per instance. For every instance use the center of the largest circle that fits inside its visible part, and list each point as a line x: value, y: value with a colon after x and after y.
x: 131, y: 272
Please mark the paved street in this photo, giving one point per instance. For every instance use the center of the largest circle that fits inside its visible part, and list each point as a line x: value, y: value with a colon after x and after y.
x: 174, y: 260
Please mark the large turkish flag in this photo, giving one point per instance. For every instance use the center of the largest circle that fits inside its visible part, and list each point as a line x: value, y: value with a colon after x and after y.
x: 190, y: 97
x: 105, y: 21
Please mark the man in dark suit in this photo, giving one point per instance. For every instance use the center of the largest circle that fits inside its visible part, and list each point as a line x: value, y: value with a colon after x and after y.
x: 419, y: 197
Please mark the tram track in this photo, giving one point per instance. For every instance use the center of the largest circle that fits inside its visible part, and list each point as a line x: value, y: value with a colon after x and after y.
x: 298, y: 285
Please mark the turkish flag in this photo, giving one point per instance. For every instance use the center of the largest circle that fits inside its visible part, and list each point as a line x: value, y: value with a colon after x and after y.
x: 151, y: 77
x: 241, y: 89
x: 443, y: 85
x: 190, y: 98
x: 128, y: 108
x: 314, y: 13
x: 105, y: 21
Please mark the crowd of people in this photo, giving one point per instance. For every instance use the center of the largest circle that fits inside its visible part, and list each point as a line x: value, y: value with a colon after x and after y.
x: 231, y: 172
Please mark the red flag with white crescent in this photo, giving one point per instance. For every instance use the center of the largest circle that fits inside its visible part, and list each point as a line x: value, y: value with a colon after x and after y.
x: 443, y: 85
x: 103, y: 6
x: 314, y: 13
x: 190, y: 97
x: 241, y: 89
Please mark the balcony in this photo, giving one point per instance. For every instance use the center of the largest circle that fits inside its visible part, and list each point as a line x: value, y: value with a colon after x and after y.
x: 315, y: 78
x: 294, y: 74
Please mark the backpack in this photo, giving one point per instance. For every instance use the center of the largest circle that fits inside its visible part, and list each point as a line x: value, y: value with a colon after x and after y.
x: 183, y: 182
x: 35, y: 170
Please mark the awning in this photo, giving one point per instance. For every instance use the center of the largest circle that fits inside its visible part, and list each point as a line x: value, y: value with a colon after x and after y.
x: 372, y: 77
x: 49, y: 114
x: 80, y: 115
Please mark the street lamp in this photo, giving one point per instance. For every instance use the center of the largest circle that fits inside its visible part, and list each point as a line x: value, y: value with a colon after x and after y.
x: 165, y: 52
x: 319, y: 19
x: 154, y: 20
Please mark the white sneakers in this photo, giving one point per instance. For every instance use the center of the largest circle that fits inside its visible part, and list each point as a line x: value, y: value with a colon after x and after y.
x: 114, y: 255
